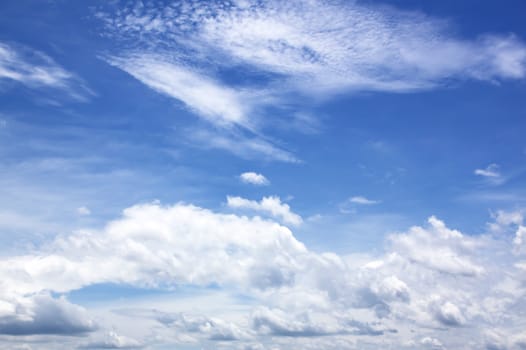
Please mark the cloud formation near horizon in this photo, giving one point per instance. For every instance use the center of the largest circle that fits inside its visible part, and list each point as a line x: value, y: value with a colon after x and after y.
x: 432, y: 277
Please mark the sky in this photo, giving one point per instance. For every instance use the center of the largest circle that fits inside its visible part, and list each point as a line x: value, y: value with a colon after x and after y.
x: 263, y: 175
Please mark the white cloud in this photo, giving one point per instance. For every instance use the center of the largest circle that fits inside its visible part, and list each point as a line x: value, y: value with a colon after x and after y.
x: 253, y: 178
x: 83, y: 211
x: 35, y: 70
x: 217, y: 103
x: 42, y: 314
x: 154, y: 246
x: 182, y: 48
x: 270, y: 205
x: 433, y: 343
x: 437, y: 248
x: 491, y: 173
x: 362, y: 47
x: 447, y: 313
x: 428, y: 278
x: 362, y: 200
x: 113, y: 340
x: 212, y: 328
x: 241, y: 146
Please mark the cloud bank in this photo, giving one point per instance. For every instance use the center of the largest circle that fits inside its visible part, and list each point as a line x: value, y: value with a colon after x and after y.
x: 447, y: 285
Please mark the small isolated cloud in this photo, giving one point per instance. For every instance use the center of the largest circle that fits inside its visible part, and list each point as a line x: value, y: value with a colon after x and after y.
x: 34, y: 69
x: 362, y: 200
x: 270, y: 205
x: 83, y: 211
x: 491, y: 174
x: 253, y: 178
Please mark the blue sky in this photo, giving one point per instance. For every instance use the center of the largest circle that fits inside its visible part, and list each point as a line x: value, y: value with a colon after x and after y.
x: 262, y: 175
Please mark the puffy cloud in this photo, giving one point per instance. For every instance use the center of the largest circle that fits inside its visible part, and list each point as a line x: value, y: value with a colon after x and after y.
x: 428, y: 278
x: 212, y: 328
x: 447, y: 313
x: 253, y: 178
x: 432, y: 343
x: 438, y: 248
x: 155, y: 246
x: 270, y: 205
x: 113, y: 340
x: 42, y: 314
x: 278, y: 322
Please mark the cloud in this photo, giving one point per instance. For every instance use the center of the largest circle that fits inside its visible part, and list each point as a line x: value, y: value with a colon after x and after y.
x: 291, y: 55
x: 83, y: 211
x: 36, y: 70
x: 362, y: 200
x: 113, y: 340
x: 432, y: 343
x: 136, y: 250
x: 42, y: 314
x: 438, y: 248
x: 279, y: 323
x: 491, y: 173
x: 362, y: 47
x: 269, y: 205
x: 253, y: 178
x: 240, y: 145
x: 427, y: 279
x: 217, y: 103
x: 213, y: 328
x: 448, y: 313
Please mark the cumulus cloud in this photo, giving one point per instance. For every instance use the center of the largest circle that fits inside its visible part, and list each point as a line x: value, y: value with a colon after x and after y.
x: 438, y: 248
x: 34, y: 69
x: 269, y: 205
x: 113, y: 340
x: 42, y: 314
x: 212, y: 328
x: 428, y: 278
x: 154, y: 245
x: 253, y: 178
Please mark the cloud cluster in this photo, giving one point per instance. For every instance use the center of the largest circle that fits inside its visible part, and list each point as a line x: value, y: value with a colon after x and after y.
x: 444, y: 284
